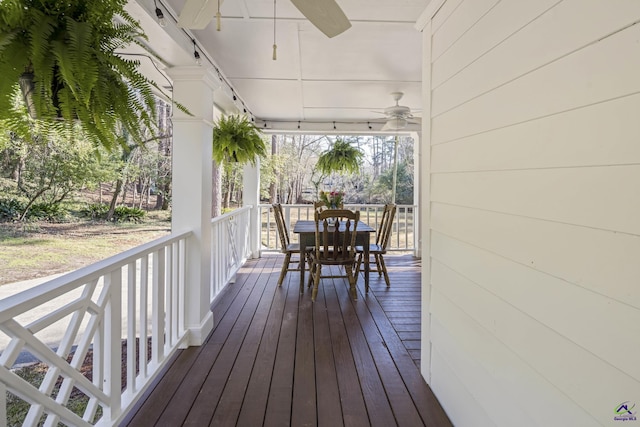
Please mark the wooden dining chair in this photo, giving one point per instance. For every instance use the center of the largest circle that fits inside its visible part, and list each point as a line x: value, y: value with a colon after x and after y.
x: 379, y: 248
x: 334, y: 246
x: 286, y: 247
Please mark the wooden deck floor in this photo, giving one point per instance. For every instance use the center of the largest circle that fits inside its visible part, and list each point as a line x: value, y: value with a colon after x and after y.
x: 275, y: 358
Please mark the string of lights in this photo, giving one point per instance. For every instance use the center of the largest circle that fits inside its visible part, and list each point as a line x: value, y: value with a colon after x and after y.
x: 199, y: 53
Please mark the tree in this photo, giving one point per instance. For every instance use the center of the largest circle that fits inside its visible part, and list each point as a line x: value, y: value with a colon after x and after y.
x: 49, y: 167
x: 383, y: 187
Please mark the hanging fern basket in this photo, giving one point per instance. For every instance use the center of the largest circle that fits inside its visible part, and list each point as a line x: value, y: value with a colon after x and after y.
x: 64, y: 58
x: 236, y: 139
x: 341, y: 158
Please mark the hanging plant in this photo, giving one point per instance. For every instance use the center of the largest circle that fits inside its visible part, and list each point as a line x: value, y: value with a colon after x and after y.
x: 236, y: 139
x: 63, y: 56
x: 341, y: 158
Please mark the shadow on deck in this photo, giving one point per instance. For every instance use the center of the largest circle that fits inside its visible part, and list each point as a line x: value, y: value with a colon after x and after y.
x: 276, y: 358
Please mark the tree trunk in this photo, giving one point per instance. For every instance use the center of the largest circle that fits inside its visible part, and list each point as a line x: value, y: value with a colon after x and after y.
x: 114, y: 200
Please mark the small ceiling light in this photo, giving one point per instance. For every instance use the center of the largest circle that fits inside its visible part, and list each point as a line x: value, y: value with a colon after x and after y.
x: 298, y: 124
x: 235, y: 98
x: 161, y: 19
x: 334, y: 125
x: 196, y: 54
x: 245, y: 110
x: 218, y: 16
x: 275, y: 46
x: 369, y: 124
x: 265, y: 125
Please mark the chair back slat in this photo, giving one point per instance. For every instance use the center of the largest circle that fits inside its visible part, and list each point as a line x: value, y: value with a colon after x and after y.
x: 283, y: 232
x: 386, y: 225
x: 335, y: 242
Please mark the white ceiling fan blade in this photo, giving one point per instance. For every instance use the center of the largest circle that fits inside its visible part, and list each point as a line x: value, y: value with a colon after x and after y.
x: 196, y: 14
x: 326, y: 15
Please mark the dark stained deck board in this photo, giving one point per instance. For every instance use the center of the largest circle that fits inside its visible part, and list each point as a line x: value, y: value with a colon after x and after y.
x: 401, y: 302
x: 280, y: 393
x: 354, y: 412
x: 257, y: 393
x: 275, y: 358
x: 192, y: 359
x: 329, y: 407
x: 420, y: 393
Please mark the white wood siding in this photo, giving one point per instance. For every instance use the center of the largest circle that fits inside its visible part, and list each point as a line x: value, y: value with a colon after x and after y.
x: 532, y: 257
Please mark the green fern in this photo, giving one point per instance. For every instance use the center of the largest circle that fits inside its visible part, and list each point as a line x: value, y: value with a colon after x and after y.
x: 236, y: 139
x: 341, y: 157
x: 70, y: 48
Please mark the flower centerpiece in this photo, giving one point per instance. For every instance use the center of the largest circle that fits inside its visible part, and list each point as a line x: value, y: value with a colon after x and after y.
x: 332, y: 199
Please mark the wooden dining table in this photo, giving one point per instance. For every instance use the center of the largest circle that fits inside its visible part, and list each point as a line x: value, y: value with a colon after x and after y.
x: 306, y: 231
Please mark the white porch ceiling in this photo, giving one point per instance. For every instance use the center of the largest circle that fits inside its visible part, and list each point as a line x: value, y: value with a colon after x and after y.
x: 315, y: 78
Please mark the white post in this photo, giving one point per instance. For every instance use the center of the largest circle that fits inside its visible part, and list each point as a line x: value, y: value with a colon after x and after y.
x: 191, y: 202
x: 251, y: 196
x: 425, y: 204
x: 417, y: 176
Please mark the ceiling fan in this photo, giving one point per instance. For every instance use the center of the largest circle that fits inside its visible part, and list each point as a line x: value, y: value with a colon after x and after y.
x: 398, y: 116
x: 326, y: 15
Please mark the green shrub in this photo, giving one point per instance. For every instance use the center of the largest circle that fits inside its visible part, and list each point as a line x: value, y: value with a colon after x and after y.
x: 10, y: 209
x: 52, y: 212
x: 95, y: 211
x: 125, y: 213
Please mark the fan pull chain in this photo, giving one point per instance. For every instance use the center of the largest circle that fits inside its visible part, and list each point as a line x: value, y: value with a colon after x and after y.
x: 275, y: 46
x: 218, y: 16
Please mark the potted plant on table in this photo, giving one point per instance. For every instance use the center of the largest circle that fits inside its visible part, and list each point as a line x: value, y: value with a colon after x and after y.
x: 332, y: 199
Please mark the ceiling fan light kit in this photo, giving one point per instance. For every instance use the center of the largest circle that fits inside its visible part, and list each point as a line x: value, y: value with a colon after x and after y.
x: 398, y: 116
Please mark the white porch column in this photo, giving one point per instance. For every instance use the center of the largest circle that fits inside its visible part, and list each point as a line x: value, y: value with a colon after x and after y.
x: 417, y: 176
x: 251, y: 196
x: 191, y: 203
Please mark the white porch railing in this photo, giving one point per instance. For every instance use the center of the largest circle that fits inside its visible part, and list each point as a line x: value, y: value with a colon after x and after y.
x: 229, y: 247
x: 403, y: 237
x: 121, y: 318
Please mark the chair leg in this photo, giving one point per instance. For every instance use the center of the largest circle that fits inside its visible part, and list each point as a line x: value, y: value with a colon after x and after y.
x: 312, y: 269
x: 352, y: 276
x: 378, y: 259
x: 316, y: 282
x: 384, y: 270
x: 358, y: 264
x: 285, y: 267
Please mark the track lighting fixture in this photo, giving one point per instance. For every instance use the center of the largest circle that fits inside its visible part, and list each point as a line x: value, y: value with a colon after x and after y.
x: 298, y: 124
x: 369, y: 124
x: 161, y: 20
x: 334, y: 125
x: 196, y: 54
x: 235, y: 98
